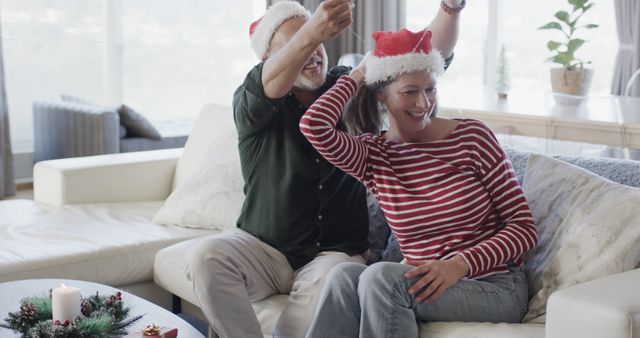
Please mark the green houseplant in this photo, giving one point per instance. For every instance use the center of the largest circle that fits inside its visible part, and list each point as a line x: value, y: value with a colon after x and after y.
x: 573, y: 77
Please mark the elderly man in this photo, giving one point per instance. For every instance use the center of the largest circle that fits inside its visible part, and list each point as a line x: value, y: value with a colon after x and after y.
x: 301, y: 215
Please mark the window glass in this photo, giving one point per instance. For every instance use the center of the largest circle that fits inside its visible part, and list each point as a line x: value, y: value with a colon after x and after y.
x: 180, y: 54
x: 468, y: 62
x: 526, y: 45
x: 49, y: 48
x: 176, y: 55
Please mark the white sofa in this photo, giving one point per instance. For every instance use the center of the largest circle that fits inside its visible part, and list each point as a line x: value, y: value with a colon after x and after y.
x: 91, y: 220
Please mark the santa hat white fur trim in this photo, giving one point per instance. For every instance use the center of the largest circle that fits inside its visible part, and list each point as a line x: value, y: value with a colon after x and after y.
x: 389, y: 67
x: 272, y: 19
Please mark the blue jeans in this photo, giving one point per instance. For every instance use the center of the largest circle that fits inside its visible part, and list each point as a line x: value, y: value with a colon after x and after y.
x: 361, y: 301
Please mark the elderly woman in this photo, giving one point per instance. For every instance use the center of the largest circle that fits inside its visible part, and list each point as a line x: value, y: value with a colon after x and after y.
x: 448, y: 192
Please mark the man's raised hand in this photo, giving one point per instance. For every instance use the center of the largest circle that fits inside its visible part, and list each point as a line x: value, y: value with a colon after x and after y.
x: 330, y: 19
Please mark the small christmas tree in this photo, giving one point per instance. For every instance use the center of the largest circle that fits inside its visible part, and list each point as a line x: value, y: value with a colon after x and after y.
x: 502, y: 79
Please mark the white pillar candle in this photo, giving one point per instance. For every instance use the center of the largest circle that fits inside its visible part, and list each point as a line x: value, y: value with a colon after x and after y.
x: 65, y: 303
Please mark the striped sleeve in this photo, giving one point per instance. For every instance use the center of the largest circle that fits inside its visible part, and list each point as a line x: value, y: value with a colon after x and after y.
x: 518, y: 233
x: 318, y: 125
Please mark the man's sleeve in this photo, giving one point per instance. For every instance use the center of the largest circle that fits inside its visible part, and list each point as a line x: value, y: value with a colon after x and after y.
x: 251, y: 108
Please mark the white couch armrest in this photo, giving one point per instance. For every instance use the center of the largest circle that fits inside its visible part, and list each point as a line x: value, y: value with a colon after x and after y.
x: 605, y: 307
x: 125, y: 177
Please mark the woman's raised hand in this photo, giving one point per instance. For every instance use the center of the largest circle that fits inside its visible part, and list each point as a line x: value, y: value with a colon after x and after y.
x: 359, y: 72
x: 453, y: 3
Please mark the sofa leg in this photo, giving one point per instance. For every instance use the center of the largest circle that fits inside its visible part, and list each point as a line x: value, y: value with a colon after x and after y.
x: 176, y: 304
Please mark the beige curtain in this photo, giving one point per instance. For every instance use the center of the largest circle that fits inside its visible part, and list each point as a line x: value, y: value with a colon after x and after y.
x: 7, y: 185
x: 628, y: 58
x: 368, y: 16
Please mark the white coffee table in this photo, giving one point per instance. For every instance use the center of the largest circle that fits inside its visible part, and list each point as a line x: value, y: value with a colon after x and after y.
x: 11, y: 293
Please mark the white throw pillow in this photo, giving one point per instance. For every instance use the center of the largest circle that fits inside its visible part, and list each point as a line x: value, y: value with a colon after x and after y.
x: 214, y: 124
x: 588, y: 227
x: 211, y: 195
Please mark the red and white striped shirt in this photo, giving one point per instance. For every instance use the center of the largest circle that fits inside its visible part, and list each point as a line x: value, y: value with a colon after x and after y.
x: 458, y: 195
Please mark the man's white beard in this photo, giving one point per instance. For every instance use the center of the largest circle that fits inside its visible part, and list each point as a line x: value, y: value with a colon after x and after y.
x: 305, y: 83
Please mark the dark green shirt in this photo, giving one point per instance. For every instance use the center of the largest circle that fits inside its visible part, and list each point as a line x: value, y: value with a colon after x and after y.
x: 296, y: 201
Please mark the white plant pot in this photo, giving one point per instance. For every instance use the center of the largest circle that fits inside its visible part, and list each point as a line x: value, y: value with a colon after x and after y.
x: 571, y: 82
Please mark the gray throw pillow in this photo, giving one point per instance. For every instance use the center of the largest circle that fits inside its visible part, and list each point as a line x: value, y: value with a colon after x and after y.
x: 378, y: 230
x: 123, y: 131
x: 618, y: 170
x: 392, y: 252
x: 136, y: 124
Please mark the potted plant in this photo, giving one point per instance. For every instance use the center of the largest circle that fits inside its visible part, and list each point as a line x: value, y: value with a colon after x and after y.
x: 572, y: 78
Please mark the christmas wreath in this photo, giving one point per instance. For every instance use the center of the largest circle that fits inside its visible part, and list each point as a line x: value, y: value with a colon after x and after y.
x: 102, y: 317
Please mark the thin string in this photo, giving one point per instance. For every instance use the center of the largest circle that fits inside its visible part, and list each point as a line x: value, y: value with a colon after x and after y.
x: 352, y: 5
x: 424, y: 33
x: 356, y: 35
x: 383, y: 54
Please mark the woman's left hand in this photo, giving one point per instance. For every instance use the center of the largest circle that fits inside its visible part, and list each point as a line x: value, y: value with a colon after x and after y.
x: 358, y: 73
x: 437, y: 277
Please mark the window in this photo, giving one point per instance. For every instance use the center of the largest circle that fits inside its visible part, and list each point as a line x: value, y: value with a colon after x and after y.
x: 516, y: 23
x: 170, y: 57
x: 486, y: 26
x: 50, y: 48
x: 526, y: 44
x: 180, y: 54
x: 469, y: 52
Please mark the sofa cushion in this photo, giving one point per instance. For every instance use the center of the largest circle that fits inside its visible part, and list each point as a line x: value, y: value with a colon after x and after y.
x: 110, y: 243
x: 587, y: 228
x: 214, y: 124
x: 392, y: 252
x: 625, y: 172
x: 169, y: 271
x: 207, y: 192
x: 268, y: 310
x: 480, y: 330
x: 122, y: 132
x: 136, y: 124
x: 378, y: 230
x: 211, y: 197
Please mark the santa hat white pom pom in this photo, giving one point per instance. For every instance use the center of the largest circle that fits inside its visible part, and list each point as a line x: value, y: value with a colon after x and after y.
x: 261, y: 31
x: 402, y: 52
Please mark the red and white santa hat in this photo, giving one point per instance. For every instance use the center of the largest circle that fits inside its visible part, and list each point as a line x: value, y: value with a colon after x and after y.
x: 401, y: 52
x: 261, y: 31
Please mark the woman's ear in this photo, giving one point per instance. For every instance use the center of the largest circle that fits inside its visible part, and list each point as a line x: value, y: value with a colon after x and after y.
x: 381, y: 97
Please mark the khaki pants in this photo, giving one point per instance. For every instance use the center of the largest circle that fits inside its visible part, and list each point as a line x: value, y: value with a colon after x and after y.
x: 230, y: 271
